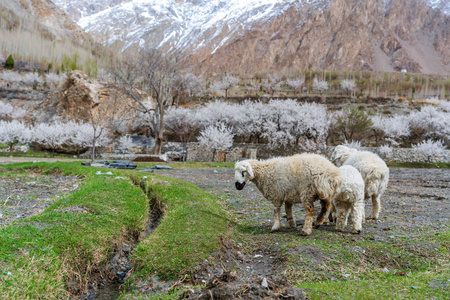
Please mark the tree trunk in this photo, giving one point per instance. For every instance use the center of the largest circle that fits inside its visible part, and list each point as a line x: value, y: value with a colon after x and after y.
x: 221, y: 156
x: 93, y: 151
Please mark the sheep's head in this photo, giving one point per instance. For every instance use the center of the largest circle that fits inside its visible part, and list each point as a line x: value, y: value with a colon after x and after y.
x: 341, y: 154
x: 243, y: 172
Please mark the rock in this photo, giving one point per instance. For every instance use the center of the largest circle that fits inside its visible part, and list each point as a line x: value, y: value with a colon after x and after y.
x: 264, y: 283
x: 97, y: 165
x: 86, y: 163
x: 162, y: 167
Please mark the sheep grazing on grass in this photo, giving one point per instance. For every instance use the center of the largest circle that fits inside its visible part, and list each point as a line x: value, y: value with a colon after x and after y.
x: 301, y: 178
x: 350, y: 198
x: 373, y: 170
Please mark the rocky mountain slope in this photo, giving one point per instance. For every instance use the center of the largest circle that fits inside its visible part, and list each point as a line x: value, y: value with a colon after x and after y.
x: 266, y: 35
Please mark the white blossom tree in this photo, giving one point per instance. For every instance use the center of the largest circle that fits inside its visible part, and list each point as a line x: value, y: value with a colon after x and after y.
x: 226, y: 83
x: 395, y: 127
x: 125, y: 143
x: 13, y: 133
x: 51, y: 135
x: 32, y: 79
x: 320, y: 85
x: 11, y: 77
x: 55, y: 79
x: 192, y: 83
x: 429, y: 148
x: 216, y: 137
x: 430, y: 122
x: 184, y: 123
x: 91, y: 136
x: 9, y: 112
x: 445, y: 105
x: 295, y: 84
x: 347, y: 85
x: 280, y: 120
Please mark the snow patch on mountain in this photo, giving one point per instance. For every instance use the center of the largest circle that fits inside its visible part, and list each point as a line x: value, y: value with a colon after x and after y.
x: 184, y: 24
x: 442, y: 5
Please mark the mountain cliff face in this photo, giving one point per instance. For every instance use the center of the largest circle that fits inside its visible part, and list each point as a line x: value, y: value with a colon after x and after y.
x: 267, y: 35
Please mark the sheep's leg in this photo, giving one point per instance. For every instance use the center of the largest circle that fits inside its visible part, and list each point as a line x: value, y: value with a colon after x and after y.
x: 332, y: 211
x: 276, y: 218
x: 326, y: 205
x: 290, y: 218
x: 376, y: 206
x: 309, y: 217
x: 357, y: 216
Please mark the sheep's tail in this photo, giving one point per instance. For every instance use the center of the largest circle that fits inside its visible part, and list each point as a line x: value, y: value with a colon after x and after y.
x: 376, y: 182
x: 328, y: 185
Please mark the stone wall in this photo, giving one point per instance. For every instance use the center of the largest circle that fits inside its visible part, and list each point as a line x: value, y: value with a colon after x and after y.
x: 197, y: 152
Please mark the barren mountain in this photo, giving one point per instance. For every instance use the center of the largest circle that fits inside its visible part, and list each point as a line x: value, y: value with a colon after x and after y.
x: 55, y: 19
x: 265, y: 35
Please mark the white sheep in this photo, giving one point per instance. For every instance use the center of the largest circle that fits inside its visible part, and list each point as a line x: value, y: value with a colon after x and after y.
x: 300, y: 178
x: 372, y: 168
x: 350, y: 198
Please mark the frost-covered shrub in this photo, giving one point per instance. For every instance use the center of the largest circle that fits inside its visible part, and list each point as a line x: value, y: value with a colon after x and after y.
x: 429, y: 148
x: 217, y: 137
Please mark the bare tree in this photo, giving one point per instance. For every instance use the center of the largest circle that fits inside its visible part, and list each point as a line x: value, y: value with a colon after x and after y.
x: 156, y: 74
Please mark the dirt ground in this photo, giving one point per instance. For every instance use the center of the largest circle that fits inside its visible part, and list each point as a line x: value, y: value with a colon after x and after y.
x: 24, y: 196
x: 416, y: 199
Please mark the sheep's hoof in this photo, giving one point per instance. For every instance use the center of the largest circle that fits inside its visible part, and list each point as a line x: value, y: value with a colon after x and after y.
x: 274, y: 229
x: 306, y: 231
x: 357, y: 231
x: 292, y: 223
x: 316, y: 226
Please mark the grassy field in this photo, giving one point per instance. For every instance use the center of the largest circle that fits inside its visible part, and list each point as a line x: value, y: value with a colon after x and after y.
x: 49, y: 254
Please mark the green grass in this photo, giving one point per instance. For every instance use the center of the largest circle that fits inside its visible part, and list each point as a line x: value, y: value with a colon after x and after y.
x: 415, y: 285
x: 189, y: 232
x: 417, y: 165
x: 40, y: 254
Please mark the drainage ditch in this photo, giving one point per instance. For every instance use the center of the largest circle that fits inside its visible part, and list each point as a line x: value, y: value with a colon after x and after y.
x: 106, y: 280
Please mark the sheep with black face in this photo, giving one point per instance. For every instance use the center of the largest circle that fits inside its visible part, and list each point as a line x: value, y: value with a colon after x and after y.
x: 302, y: 178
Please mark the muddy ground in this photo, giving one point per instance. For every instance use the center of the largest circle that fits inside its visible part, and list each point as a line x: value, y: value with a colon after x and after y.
x: 416, y: 199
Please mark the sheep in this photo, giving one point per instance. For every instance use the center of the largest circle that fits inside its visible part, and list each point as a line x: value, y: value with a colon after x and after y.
x: 350, y: 198
x: 300, y: 178
x: 373, y: 170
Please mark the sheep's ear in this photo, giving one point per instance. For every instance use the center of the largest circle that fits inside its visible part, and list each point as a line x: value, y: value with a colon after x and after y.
x: 250, y: 172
